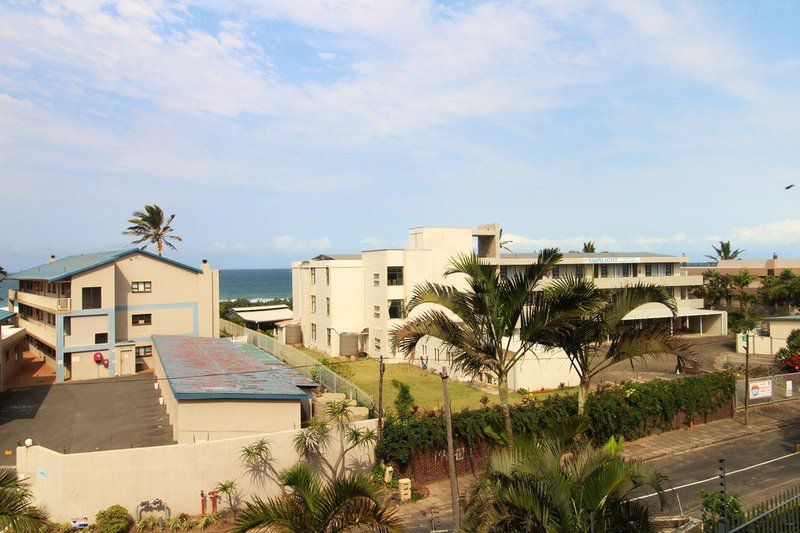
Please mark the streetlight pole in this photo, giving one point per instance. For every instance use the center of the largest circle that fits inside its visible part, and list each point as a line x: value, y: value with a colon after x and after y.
x: 451, y: 459
x: 746, y: 375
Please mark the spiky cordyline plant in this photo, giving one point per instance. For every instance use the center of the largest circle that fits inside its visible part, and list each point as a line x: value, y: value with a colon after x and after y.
x: 560, y: 483
x: 149, y: 226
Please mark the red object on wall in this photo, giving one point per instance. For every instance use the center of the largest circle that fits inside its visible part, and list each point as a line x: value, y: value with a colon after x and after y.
x: 105, y: 363
x: 98, y: 357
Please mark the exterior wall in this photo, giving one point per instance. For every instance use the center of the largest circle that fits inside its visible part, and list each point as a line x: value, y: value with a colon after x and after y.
x: 12, y: 346
x: 779, y: 331
x: 83, y: 365
x: 202, y: 420
x: 72, y: 485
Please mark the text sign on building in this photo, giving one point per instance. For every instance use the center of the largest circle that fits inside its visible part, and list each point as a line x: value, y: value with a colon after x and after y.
x: 761, y: 389
x: 597, y: 260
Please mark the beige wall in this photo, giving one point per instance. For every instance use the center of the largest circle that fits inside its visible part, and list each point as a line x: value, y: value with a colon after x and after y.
x: 70, y: 485
x: 203, y: 420
x: 779, y: 331
x: 84, y: 328
x: 84, y: 367
x: 12, y: 346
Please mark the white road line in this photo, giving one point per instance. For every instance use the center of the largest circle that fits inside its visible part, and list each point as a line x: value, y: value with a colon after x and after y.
x: 717, y: 477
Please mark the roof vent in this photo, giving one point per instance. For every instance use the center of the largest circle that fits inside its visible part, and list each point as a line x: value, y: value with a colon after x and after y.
x: 52, y: 259
x: 774, y: 255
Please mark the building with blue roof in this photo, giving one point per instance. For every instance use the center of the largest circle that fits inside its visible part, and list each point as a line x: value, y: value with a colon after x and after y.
x: 215, y: 389
x: 93, y: 315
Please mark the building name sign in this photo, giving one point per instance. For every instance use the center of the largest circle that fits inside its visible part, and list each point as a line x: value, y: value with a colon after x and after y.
x: 611, y: 260
x: 761, y: 389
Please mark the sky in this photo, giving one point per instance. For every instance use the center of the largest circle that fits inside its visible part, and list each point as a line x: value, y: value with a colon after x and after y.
x: 278, y: 130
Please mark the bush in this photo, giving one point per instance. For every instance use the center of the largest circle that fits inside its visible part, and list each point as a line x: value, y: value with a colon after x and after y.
x: 115, y: 519
x: 716, y: 506
x: 631, y: 410
x: 404, y: 402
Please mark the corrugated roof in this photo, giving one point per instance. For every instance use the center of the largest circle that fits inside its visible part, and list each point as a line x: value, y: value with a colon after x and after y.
x: 203, y: 368
x: 5, y: 314
x: 265, y: 315
x: 75, y: 264
x: 298, y: 379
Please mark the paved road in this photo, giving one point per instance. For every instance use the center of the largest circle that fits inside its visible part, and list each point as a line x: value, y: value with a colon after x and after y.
x: 753, y: 485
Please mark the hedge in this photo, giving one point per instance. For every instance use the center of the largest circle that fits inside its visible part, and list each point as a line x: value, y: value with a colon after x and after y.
x: 632, y: 410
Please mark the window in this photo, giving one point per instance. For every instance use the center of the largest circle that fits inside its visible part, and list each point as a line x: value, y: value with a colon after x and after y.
x: 376, y: 279
x: 376, y: 311
x: 556, y: 271
x: 503, y: 272
x: 141, y: 286
x: 144, y: 351
x: 328, y: 306
x: 142, y: 320
x: 91, y: 297
x: 313, y: 332
x: 395, y: 308
x: 329, y: 336
x: 668, y: 269
x: 436, y: 353
x: 579, y: 271
x: 327, y: 276
x: 648, y: 269
x: 626, y: 271
x: 313, y: 275
x: 683, y: 293
x: 394, y: 275
x: 603, y: 271
x: 313, y: 304
x: 378, y: 343
x: 101, y: 338
x: 425, y: 349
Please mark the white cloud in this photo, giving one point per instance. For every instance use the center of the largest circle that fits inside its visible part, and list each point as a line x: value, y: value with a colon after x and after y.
x: 287, y: 242
x: 326, y: 56
x: 780, y: 232
x: 640, y: 241
x: 520, y: 242
x: 376, y: 243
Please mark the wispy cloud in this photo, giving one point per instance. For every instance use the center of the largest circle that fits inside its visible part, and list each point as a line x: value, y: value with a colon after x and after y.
x: 287, y: 242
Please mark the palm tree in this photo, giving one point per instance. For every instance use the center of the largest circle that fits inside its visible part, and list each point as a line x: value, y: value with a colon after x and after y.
x: 17, y: 512
x: 561, y: 483
x: 480, y: 326
x: 149, y: 226
x: 724, y: 252
x: 353, y: 502
x: 599, y: 337
x: 588, y: 247
x: 742, y: 281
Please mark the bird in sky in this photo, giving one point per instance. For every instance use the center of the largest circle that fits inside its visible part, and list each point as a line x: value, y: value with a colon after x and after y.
x: 789, y: 186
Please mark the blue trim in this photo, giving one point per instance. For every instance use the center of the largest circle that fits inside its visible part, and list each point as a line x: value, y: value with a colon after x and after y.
x: 89, y: 348
x: 237, y: 396
x: 91, y: 312
x: 59, y: 348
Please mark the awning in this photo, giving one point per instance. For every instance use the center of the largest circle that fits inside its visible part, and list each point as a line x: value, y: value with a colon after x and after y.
x: 663, y: 312
x: 265, y: 315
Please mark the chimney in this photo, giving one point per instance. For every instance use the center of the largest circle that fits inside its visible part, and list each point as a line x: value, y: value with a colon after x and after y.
x: 774, y: 255
x: 52, y: 259
x: 204, y: 267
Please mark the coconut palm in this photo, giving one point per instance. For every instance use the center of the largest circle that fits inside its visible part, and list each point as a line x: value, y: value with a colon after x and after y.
x: 17, y: 512
x: 742, y: 280
x: 561, y: 483
x: 149, y: 227
x: 724, y: 252
x: 353, y: 502
x: 480, y: 326
x: 588, y: 247
x: 600, y: 337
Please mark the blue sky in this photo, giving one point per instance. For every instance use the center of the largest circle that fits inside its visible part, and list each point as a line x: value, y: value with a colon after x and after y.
x: 280, y: 130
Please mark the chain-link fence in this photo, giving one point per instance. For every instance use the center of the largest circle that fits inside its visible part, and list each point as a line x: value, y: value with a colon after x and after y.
x: 302, y: 362
x: 769, y: 389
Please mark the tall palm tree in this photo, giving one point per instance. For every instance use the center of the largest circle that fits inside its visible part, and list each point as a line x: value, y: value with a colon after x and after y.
x: 149, y: 226
x: 559, y: 483
x: 17, y: 512
x: 588, y: 247
x: 724, y: 252
x: 480, y: 327
x: 599, y: 337
x: 350, y: 503
x: 742, y: 280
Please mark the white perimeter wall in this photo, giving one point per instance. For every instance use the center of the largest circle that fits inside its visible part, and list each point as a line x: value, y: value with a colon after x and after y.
x: 80, y: 484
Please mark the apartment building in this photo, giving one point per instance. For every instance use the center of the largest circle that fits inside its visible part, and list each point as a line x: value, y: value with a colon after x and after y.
x: 760, y: 268
x: 93, y: 315
x: 349, y: 303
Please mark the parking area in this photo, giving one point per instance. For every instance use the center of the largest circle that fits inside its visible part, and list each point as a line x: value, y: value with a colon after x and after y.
x: 84, y: 416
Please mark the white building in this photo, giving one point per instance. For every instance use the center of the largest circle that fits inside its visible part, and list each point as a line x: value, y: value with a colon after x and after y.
x: 349, y: 303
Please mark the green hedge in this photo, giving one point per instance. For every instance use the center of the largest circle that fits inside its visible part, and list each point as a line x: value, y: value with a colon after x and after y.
x: 631, y: 410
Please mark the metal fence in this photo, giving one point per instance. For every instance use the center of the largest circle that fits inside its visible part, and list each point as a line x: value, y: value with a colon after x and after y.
x: 769, y: 389
x: 302, y: 362
x: 776, y: 515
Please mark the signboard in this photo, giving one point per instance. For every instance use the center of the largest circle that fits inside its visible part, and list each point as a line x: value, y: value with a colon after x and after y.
x: 41, y: 472
x: 611, y: 260
x: 760, y: 389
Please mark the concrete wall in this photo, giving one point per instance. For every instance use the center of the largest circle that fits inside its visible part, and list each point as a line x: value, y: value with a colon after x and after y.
x: 779, y: 331
x: 71, y: 485
x: 12, y: 346
x: 204, y: 420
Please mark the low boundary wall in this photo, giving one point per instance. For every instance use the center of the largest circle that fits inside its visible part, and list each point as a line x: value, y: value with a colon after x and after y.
x: 80, y: 484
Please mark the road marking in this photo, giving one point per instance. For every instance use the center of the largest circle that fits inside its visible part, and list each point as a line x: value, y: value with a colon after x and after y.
x: 717, y: 477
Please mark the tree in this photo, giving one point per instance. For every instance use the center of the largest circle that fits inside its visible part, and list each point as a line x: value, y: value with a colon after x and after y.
x: 561, y: 483
x: 308, y: 504
x: 17, y: 512
x: 230, y: 489
x: 149, y: 227
x: 588, y: 247
x: 317, y: 438
x: 783, y: 289
x: 724, y: 252
x: 599, y: 337
x: 404, y: 402
x: 715, y: 288
x: 742, y: 281
x: 480, y: 326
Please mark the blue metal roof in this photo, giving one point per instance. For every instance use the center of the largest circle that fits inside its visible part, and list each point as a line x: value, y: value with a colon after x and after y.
x: 75, y: 264
x: 203, y: 368
x: 4, y: 314
x: 285, y: 370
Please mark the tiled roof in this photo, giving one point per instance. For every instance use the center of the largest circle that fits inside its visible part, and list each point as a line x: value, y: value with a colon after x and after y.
x: 203, y: 368
x: 75, y: 264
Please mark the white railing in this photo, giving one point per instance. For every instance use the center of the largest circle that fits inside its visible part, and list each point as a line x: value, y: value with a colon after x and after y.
x: 49, y: 303
x: 238, y: 340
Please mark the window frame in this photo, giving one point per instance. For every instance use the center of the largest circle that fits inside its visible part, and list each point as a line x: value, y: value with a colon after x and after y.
x: 392, y: 277
x: 148, y: 319
x: 149, y: 349
x: 147, y: 287
x: 96, y: 341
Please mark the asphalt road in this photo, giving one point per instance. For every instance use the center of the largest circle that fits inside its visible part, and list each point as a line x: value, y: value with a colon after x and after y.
x: 753, y: 485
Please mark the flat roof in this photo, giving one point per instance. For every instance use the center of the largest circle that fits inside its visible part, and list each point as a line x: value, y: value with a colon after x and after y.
x: 5, y: 314
x: 66, y: 267
x: 203, y: 368
x: 265, y: 315
x: 663, y: 312
x: 792, y: 317
x: 568, y: 255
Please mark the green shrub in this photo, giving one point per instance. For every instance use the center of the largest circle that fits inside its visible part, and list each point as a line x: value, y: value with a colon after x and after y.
x: 631, y: 410
x: 404, y: 401
x: 115, y: 519
x: 716, y: 506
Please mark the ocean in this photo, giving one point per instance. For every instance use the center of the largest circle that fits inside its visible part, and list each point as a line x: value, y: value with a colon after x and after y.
x: 250, y: 284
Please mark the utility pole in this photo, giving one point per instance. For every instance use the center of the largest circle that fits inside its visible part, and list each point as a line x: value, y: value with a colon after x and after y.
x: 746, y: 339
x: 381, y: 370
x: 451, y: 458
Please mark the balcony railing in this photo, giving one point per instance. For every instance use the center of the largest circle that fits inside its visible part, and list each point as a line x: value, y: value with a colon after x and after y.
x: 48, y: 303
x: 40, y: 330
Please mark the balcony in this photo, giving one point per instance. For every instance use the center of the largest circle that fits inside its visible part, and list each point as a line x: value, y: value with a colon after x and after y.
x: 40, y: 330
x: 39, y: 301
x: 664, y: 281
